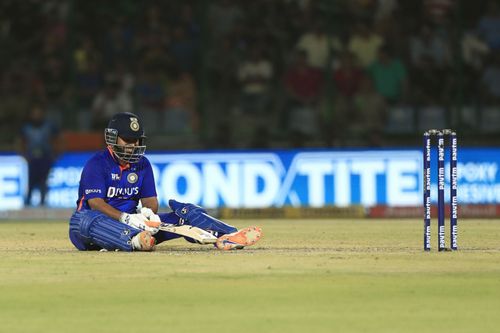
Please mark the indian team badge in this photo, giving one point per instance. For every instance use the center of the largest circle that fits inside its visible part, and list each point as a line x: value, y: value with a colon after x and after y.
x: 132, y: 178
x: 134, y: 124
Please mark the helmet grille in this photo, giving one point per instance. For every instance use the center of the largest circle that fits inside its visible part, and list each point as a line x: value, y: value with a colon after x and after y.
x: 127, y: 153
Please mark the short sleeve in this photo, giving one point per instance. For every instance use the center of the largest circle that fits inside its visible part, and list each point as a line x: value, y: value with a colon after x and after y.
x: 93, y: 182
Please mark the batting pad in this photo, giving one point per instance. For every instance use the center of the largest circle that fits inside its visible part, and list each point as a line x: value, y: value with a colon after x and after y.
x: 198, y: 217
x: 95, y: 228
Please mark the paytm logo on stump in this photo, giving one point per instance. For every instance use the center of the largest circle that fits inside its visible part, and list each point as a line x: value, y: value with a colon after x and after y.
x: 308, y: 179
x: 13, y: 182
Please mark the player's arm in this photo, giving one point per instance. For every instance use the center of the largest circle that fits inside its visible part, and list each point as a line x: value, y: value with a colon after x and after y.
x: 134, y: 220
x: 151, y: 203
x: 100, y: 205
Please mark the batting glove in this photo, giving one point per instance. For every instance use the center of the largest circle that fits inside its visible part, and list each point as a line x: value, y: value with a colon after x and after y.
x: 149, y: 214
x: 139, y: 221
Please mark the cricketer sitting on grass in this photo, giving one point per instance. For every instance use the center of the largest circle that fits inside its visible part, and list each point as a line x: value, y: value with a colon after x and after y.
x: 113, y: 182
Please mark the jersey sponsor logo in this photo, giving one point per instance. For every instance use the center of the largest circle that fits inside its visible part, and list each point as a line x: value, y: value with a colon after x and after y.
x: 93, y: 190
x: 132, y: 178
x: 115, y: 176
x: 120, y: 191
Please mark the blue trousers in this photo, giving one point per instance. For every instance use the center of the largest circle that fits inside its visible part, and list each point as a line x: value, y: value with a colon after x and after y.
x: 92, y: 230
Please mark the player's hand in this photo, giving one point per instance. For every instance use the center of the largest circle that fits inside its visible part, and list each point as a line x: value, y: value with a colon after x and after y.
x: 139, y: 221
x: 149, y: 214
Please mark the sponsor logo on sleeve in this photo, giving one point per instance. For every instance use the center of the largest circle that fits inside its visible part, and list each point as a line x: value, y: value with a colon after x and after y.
x: 92, y: 190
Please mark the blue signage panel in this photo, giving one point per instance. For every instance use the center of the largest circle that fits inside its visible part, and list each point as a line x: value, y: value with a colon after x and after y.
x: 13, y: 181
x: 277, y: 178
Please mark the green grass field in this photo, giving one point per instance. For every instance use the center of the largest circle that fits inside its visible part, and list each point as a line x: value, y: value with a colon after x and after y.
x: 304, y: 276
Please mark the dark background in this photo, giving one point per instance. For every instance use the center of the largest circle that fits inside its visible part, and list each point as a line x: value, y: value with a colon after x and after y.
x: 255, y: 74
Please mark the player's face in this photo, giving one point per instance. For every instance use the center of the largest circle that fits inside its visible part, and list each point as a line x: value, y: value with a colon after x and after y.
x: 128, y: 144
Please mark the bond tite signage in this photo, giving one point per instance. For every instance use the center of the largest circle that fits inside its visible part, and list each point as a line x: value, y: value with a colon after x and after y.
x: 315, y: 179
x: 278, y: 178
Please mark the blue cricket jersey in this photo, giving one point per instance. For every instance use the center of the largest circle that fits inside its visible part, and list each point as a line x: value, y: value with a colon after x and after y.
x: 120, y: 186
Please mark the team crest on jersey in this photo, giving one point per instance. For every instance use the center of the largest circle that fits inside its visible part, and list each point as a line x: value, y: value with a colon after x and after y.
x: 134, y: 124
x: 132, y: 178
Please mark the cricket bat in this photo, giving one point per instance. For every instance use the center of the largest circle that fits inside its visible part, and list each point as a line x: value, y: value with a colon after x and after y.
x: 200, y: 235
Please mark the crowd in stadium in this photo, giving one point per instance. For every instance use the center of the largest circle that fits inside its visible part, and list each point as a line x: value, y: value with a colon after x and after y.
x: 253, y: 74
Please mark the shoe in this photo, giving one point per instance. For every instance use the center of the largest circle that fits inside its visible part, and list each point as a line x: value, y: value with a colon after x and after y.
x: 143, y: 241
x: 239, y: 239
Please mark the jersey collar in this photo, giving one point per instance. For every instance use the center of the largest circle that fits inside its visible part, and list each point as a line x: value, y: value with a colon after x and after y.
x: 122, y: 167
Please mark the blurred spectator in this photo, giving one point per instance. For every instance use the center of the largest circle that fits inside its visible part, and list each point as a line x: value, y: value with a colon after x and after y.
x: 125, y: 77
x: 149, y: 89
x: 361, y: 9
x: 316, y: 45
x: 39, y: 144
x: 188, y: 22
x: 303, y: 86
x: 438, y: 11
x: 364, y: 44
x: 88, y: 83
x: 429, y: 81
x: 86, y: 54
x: 13, y: 104
x: 348, y: 76
x: 254, y: 77
x: 88, y: 79
x: 222, y: 61
x: 490, y: 80
x: 303, y: 83
x: 223, y: 16
x: 429, y: 45
x: 183, y: 50
x: 370, y: 114
x: 180, y: 115
x: 55, y: 31
x: 110, y: 100
x: 385, y: 9
x: 55, y: 78
x: 150, y: 94
x: 389, y: 76
x: 118, y: 43
x: 474, y: 50
x: 153, y: 37
x: 489, y: 25
x: 153, y: 18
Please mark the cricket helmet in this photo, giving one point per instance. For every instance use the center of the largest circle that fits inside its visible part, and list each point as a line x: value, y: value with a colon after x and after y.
x: 127, y: 126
